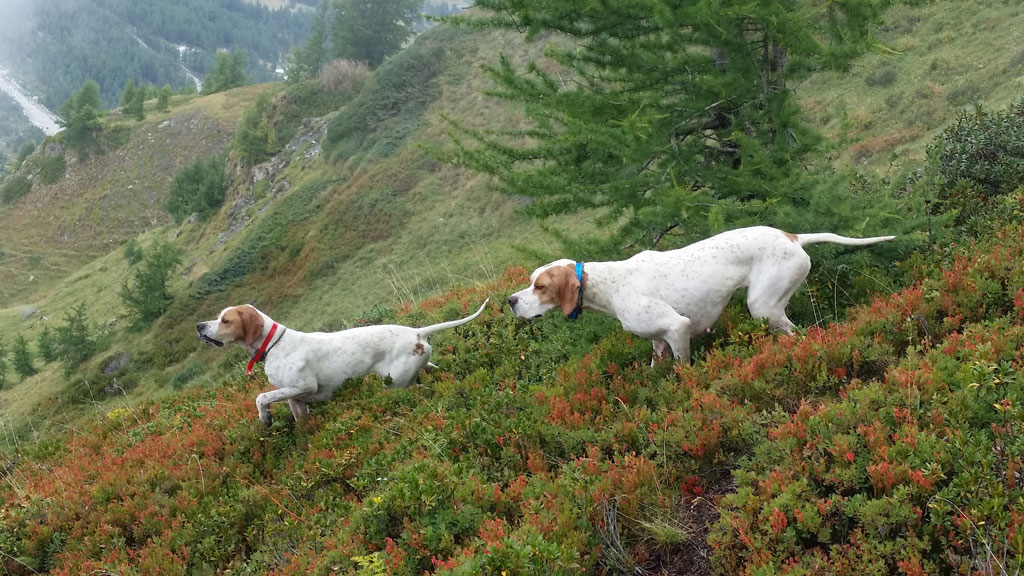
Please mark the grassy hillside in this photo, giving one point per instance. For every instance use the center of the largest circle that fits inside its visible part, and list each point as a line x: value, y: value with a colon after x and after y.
x: 96, y: 203
x: 885, y: 444
x: 933, y: 59
x: 318, y: 237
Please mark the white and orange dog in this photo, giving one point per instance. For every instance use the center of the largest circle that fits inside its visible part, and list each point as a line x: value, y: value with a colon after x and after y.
x: 308, y: 367
x: 672, y: 296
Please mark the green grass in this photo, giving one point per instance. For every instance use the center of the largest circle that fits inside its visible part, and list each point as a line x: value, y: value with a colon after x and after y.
x: 388, y: 225
x: 566, y: 407
x: 932, y: 60
x: 101, y: 201
x: 378, y: 231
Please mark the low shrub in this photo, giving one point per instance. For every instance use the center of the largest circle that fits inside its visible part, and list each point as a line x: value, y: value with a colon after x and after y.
x: 886, y: 444
x: 882, y: 77
x: 16, y: 186
x: 198, y: 189
x: 52, y: 169
x: 187, y: 374
x: 979, y: 160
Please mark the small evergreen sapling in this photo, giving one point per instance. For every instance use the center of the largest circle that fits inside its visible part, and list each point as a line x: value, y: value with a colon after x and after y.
x: 45, y: 344
x: 3, y: 364
x: 22, y: 358
x: 148, y: 297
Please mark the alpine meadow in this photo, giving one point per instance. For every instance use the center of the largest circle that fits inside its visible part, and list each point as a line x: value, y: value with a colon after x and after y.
x: 399, y: 162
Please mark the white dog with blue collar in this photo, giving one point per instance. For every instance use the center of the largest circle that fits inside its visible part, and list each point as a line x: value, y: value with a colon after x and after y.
x: 672, y: 296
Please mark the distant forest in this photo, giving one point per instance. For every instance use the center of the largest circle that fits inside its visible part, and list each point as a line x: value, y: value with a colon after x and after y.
x: 112, y: 41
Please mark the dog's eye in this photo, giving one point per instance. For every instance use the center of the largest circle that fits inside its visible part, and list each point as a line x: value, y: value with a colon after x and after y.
x: 539, y: 286
x: 226, y: 321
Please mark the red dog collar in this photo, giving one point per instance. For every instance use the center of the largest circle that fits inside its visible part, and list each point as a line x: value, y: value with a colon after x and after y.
x: 261, y: 354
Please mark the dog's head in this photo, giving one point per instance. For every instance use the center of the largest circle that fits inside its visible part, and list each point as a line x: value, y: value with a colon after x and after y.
x: 234, y: 324
x: 551, y: 286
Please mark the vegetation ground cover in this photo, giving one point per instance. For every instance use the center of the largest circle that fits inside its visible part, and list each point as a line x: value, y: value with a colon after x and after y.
x: 882, y: 444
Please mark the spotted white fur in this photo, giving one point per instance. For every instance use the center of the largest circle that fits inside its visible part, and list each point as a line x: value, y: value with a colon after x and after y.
x: 672, y: 296
x: 308, y: 367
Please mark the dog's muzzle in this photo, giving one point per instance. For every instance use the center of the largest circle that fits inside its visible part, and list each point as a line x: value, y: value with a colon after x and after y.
x: 513, y: 300
x: 207, y: 339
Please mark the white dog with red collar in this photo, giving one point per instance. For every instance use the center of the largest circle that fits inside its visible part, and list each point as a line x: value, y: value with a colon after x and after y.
x: 307, y: 367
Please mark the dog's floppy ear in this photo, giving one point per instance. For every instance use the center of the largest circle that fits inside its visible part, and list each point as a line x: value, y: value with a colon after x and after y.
x: 252, y: 324
x: 568, y: 288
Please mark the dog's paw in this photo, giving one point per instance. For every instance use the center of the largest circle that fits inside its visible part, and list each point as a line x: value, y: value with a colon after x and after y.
x: 267, y: 419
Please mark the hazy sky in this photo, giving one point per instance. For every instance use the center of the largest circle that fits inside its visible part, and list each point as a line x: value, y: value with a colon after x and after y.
x: 15, y: 17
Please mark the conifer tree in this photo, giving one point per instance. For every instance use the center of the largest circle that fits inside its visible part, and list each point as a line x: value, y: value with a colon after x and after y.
x: 80, y: 116
x: 45, y: 344
x: 148, y: 297
x: 163, y: 100
x: 128, y: 93
x: 3, y: 364
x: 306, y: 60
x: 22, y: 357
x: 256, y: 140
x: 138, y: 105
x: 73, y: 341
x: 197, y: 189
x: 228, y: 72
x: 371, y: 31
x: 659, y: 112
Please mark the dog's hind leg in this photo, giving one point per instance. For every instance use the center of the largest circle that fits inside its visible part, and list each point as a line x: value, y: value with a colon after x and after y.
x: 661, y: 349
x: 300, y: 410
x: 768, y: 294
x: 679, y: 338
x: 405, y: 371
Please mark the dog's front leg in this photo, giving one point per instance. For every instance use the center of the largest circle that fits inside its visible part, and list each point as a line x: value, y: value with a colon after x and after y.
x: 654, y: 319
x: 263, y: 409
x: 263, y: 401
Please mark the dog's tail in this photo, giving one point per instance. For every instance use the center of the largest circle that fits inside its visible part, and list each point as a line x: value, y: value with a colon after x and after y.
x: 805, y: 239
x: 428, y: 330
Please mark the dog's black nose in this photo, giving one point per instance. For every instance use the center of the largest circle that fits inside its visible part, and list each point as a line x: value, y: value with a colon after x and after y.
x: 199, y: 327
x: 512, y: 301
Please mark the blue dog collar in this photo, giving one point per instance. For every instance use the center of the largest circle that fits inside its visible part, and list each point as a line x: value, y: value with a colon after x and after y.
x: 579, y: 293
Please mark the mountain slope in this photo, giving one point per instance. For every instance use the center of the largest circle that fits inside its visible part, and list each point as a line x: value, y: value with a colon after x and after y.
x: 105, y: 199
x: 317, y: 242
x: 352, y: 220
x: 879, y: 445
x: 934, y: 59
x: 58, y: 44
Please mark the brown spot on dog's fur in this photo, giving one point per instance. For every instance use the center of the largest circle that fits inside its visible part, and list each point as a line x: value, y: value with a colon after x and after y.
x: 558, y: 284
x: 792, y: 237
x: 240, y: 323
x: 419, y: 350
x: 252, y: 324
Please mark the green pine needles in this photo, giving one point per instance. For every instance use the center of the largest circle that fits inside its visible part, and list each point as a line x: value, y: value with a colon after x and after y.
x: 659, y: 112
